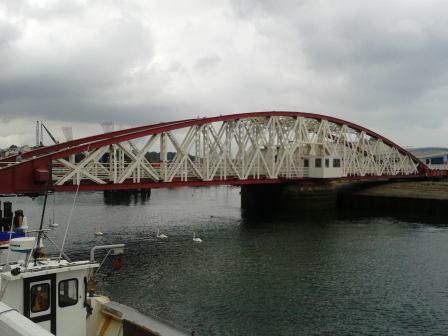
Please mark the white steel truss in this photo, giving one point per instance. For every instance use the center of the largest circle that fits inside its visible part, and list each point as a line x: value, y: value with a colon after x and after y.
x: 267, y: 147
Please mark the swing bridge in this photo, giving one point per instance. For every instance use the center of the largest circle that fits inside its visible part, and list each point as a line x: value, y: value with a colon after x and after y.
x: 237, y: 149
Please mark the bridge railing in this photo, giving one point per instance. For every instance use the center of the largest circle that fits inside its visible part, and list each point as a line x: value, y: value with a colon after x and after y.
x: 109, y: 172
x: 443, y: 166
x: 295, y: 173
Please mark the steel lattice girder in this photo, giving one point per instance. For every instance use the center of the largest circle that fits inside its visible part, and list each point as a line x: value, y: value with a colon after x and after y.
x: 224, y: 150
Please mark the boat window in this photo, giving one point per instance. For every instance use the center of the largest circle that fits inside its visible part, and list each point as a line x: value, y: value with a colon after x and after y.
x: 68, y: 292
x: 306, y: 163
x: 318, y: 163
x: 336, y: 163
x: 327, y: 163
x: 85, y: 291
x: 40, y: 297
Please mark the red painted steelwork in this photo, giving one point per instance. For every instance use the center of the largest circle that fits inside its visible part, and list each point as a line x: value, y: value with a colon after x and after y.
x: 173, y: 184
x: 41, y: 175
x: 102, y: 140
x: 19, y: 177
x: 437, y: 173
x: 53, y: 148
x: 217, y: 182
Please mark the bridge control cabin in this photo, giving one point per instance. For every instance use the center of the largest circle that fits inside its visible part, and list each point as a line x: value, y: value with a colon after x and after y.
x: 323, y: 166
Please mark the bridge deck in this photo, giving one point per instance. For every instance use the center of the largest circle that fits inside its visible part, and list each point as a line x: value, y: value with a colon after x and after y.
x: 248, y: 148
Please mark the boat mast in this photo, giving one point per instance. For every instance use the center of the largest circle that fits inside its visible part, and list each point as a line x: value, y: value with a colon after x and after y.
x: 39, y: 233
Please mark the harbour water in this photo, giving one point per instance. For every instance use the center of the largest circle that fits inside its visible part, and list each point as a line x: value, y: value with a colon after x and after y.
x: 262, y: 274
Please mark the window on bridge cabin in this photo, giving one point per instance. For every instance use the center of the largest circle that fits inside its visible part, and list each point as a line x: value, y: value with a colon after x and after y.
x: 318, y: 163
x: 306, y: 163
x: 437, y: 160
x: 327, y: 163
x: 336, y: 163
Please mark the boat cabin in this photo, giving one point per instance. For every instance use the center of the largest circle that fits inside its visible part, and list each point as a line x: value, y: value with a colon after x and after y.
x: 58, y: 297
x: 53, y: 294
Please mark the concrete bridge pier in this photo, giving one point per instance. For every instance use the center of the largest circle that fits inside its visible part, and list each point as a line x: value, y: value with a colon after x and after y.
x: 306, y: 196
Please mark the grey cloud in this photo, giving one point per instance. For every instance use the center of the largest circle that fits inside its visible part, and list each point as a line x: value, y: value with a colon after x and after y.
x: 381, y: 57
x: 43, y: 11
x: 207, y: 63
x: 8, y: 34
x: 77, y: 82
x: 379, y: 64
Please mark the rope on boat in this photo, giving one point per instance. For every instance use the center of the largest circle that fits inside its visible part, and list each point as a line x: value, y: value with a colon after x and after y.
x: 10, y: 230
x: 69, y: 220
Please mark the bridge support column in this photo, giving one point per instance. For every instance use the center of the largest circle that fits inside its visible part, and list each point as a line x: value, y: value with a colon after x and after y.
x: 120, y: 196
x: 292, y: 197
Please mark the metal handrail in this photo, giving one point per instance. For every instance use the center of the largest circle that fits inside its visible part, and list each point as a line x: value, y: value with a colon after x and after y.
x: 117, y: 247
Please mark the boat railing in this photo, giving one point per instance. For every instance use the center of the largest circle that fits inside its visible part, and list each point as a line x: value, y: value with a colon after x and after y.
x: 116, y: 249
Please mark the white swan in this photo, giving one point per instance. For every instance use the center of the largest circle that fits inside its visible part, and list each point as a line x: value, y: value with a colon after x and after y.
x: 98, y: 231
x: 196, y: 239
x: 51, y: 223
x: 161, y: 236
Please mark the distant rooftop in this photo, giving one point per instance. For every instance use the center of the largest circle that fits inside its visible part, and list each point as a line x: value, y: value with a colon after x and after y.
x: 427, y: 152
x: 428, y: 149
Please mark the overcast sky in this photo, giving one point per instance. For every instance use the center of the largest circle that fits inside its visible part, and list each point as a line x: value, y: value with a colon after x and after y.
x: 382, y: 64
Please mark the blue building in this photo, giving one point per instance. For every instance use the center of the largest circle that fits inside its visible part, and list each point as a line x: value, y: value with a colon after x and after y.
x: 431, y: 155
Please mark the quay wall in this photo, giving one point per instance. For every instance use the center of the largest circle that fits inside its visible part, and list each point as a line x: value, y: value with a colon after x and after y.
x: 405, y: 199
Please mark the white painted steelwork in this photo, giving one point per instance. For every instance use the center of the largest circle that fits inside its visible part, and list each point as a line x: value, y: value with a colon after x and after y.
x: 261, y: 147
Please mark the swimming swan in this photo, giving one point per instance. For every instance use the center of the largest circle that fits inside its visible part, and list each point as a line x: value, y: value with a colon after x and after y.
x: 196, y: 239
x: 161, y: 236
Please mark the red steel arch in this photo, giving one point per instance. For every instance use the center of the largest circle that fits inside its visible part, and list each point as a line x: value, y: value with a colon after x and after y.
x: 72, y: 143
x: 32, y: 175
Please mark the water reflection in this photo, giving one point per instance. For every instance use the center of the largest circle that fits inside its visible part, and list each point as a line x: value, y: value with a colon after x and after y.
x: 432, y: 214
x: 428, y: 211
x: 126, y: 197
x: 265, y: 271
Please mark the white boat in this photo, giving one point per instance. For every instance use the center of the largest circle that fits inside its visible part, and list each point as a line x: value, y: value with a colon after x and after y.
x: 43, y: 296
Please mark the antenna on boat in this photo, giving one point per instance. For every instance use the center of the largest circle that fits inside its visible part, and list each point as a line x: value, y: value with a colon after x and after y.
x: 7, y: 267
x: 69, y: 220
x: 39, y: 233
x: 38, y: 247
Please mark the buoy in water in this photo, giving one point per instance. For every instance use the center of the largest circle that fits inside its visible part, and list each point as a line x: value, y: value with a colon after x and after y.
x: 116, y: 264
